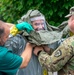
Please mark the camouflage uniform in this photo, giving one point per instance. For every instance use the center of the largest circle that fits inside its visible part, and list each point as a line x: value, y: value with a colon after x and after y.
x: 54, y: 34
x: 61, y: 60
x: 71, y: 13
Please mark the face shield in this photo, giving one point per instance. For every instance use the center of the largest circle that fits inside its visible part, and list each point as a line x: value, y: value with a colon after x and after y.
x: 38, y: 23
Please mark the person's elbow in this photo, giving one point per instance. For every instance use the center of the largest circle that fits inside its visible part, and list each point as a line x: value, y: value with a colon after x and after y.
x: 24, y: 63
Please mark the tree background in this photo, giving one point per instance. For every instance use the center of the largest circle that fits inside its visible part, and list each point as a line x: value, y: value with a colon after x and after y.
x: 54, y: 10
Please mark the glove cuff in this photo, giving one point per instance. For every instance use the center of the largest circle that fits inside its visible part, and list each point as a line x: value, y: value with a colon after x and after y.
x: 14, y: 30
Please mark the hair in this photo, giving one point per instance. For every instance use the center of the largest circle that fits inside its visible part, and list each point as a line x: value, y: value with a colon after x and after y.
x: 1, y: 28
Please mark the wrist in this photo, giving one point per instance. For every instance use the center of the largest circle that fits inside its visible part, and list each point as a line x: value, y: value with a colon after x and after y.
x: 39, y: 52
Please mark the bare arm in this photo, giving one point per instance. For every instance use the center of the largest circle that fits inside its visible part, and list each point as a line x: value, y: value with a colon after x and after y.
x: 26, y: 55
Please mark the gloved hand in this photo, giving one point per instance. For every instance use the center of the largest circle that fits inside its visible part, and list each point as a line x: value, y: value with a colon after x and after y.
x: 24, y: 26
x: 15, y: 29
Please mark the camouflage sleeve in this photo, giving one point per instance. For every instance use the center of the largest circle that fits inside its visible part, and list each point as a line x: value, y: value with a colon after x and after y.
x: 59, y: 57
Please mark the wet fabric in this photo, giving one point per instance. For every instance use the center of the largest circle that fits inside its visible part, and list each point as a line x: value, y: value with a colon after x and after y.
x: 17, y: 45
x: 43, y: 37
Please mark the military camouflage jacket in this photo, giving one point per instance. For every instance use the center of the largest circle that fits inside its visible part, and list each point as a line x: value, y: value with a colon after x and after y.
x: 61, y: 58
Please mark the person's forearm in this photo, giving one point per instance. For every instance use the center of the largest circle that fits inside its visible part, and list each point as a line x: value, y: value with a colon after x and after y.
x: 10, y: 25
x: 48, y: 61
x: 59, y: 57
x: 26, y: 55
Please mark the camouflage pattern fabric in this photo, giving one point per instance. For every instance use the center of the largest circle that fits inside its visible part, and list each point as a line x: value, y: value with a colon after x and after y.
x: 61, y: 59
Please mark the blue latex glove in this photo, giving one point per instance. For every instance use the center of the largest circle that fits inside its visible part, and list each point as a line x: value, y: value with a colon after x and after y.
x: 24, y: 26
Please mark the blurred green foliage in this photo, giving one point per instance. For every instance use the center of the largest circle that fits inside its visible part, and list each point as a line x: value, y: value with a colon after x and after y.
x: 54, y: 10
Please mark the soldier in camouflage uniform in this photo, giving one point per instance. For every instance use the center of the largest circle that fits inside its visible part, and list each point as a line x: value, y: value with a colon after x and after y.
x: 66, y: 27
x: 71, y: 20
x: 62, y: 59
